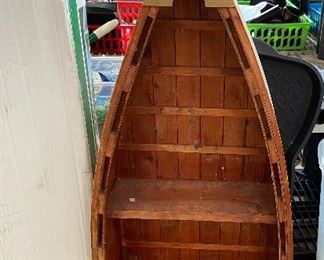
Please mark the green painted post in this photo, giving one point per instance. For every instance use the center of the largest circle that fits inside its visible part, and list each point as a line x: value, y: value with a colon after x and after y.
x: 82, y: 67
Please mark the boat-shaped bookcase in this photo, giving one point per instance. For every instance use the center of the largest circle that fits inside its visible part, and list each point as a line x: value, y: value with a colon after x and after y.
x: 191, y: 164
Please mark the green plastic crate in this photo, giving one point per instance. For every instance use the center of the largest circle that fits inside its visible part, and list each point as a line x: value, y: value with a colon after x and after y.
x: 281, y: 36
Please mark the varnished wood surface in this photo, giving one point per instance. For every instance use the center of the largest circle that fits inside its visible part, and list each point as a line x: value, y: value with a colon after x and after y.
x: 193, y: 149
x: 193, y: 200
x: 192, y: 111
x: 190, y: 105
x: 196, y: 246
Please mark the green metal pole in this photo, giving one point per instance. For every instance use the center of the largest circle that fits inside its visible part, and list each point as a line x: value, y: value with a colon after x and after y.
x: 82, y: 67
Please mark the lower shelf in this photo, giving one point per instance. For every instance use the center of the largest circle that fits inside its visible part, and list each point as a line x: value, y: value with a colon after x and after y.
x: 192, y: 200
x: 197, y: 246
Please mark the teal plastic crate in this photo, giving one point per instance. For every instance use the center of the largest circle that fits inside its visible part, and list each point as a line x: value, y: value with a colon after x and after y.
x: 314, y: 13
x: 281, y: 36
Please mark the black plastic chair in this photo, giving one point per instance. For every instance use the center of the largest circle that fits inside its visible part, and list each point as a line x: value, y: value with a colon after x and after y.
x: 297, y: 91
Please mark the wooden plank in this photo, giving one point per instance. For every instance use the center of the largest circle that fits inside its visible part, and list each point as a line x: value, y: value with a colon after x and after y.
x: 125, y: 164
x: 131, y: 231
x: 212, y: 92
x: 191, y: 71
x: 143, y: 128
x: 192, y: 111
x: 235, y: 96
x: 145, y: 164
x: 209, y: 13
x: 172, y: 148
x: 114, y: 239
x: 269, y: 238
x: 250, y: 236
x: 212, y: 51
x: 168, y: 165
x: 188, y: 95
x: 192, y: 200
x: 188, y: 128
x: 234, y: 128
x: 144, y: 161
x: 188, y: 91
x: 163, y: 54
x: 162, y: 3
x: 191, y: 24
x: 170, y: 234
x: 142, y: 92
x: 220, y: 3
x: 230, y: 235
x: 150, y: 230
x: 210, y: 235
x: 231, y: 58
x: 255, y: 169
x: 141, y: 230
x: 196, y: 246
x: 165, y: 94
x: 189, y: 233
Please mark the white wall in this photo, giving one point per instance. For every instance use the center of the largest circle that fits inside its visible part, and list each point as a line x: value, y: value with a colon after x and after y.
x: 45, y: 178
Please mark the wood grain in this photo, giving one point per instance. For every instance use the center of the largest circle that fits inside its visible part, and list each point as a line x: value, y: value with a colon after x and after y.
x: 192, y: 200
x: 196, y: 149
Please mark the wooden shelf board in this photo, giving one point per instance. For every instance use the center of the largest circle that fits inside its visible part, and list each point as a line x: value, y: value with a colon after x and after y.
x: 196, y: 246
x: 177, y: 148
x: 192, y: 200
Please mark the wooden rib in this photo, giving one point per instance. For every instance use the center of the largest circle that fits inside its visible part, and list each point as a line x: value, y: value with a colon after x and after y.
x: 190, y: 24
x: 192, y: 71
x: 196, y: 246
x: 193, y: 149
x: 192, y: 111
x: 193, y: 201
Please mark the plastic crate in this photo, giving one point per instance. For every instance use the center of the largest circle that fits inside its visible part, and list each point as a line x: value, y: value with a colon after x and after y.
x: 106, y: 65
x: 314, y: 13
x: 129, y: 10
x: 115, y: 42
x: 103, y: 90
x: 102, y: 99
x: 282, y: 36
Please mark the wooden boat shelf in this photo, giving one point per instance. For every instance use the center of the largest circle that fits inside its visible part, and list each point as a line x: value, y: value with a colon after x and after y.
x: 192, y: 200
x: 191, y: 165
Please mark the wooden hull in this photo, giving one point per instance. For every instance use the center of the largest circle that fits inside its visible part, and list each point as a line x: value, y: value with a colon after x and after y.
x: 191, y: 164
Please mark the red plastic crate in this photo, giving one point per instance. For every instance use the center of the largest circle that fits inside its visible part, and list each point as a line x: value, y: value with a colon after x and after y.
x: 129, y: 10
x: 116, y: 41
x: 113, y: 43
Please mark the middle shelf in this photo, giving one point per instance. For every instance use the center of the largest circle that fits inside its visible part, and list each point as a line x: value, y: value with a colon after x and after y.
x: 192, y: 200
